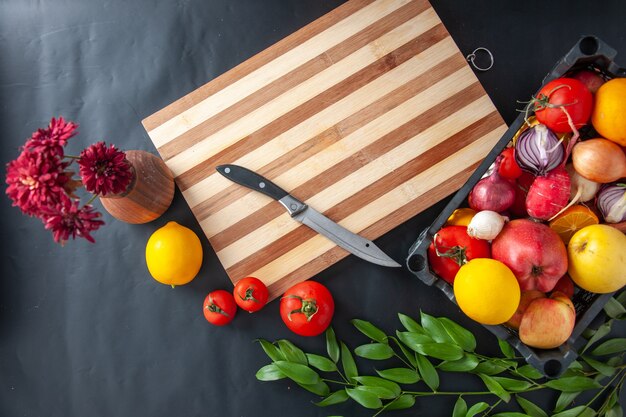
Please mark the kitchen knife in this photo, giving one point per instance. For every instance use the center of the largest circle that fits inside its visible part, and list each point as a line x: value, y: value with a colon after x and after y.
x: 299, y: 211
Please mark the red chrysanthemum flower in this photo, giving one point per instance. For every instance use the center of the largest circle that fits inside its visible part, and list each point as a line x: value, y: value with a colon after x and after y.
x: 104, y: 170
x: 50, y: 141
x: 35, y: 180
x: 66, y: 219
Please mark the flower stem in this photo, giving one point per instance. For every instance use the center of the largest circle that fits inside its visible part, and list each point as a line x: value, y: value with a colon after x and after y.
x: 71, y: 156
x: 91, y: 200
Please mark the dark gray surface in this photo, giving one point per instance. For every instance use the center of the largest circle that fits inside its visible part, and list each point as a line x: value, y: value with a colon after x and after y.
x: 84, y: 330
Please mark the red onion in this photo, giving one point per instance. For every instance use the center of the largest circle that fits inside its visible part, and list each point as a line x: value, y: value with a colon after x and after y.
x: 538, y: 150
x: 493, y: 192
x: 612, y: 202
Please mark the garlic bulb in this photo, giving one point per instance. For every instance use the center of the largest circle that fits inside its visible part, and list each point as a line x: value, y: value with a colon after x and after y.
x: 486, y: 225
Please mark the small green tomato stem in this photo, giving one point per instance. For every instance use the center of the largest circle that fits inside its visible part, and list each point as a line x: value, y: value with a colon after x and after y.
x: 308, y: 307
x: 249, y: 296
x: 214, y: 308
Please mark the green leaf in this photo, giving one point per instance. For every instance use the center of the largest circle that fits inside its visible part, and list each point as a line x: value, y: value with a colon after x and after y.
x: 380, y: 392
x: 272, y: 351
x: 610, y: 347
x: 428, y: 372
x: 621, y: 298
x: 409, y: 355
x: 410, y: 324
x: 443, y: 351
x: 291, y: 352
x: 459, y: 334
x: 614, y: 309
x: 412, y: 339
x: 490, y: 367
x: 598, y: 334
x: 402, y: 402
x: 435, y: 329
x: 477, y: 408
x: 298, y: 372
x: 467, y: 363
x: 495, y: 388
x: 400, y: 375
x: 320, y: 362
x: 564, y: 400
x: 336, y: 397
x: 615, y: 411
x: 369, y: 330
x: 511, y: 384
x: 270, y: 373
x: 603, y: 368
x: 319, y: 388
x: 374, y: 381
x: 347, y: 361
x: 612, y: 400
x: 460, y: 408
x: 529, y: 371
x: 509, y: 414
x: 580, y: 411
x: 332, y: 347
x: 572, y: 384
x: 375, y: 351
x: 530, y: 408
x: 506, y: 349
x: 366, y: 399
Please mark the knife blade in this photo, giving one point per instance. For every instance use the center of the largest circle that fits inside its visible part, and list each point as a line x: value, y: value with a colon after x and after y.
x: 299, y: 211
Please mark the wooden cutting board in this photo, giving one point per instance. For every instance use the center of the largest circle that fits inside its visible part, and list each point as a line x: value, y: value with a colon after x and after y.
x: 370, y: 115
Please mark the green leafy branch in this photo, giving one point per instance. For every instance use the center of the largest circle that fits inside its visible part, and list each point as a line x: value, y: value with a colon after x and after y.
x: 438, y: 344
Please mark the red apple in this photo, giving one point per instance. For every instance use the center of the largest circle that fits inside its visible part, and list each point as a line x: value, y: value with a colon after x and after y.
x: 534, y: 252
x: 591, y: 79
x: 526, y: 298
x: 548, y: 322
x: 565, y: 285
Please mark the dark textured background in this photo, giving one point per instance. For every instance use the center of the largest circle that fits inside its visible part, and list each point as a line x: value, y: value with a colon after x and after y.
x: 84, y: 329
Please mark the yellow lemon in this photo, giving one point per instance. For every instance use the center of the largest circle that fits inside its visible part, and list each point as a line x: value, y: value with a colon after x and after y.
x: 460, y: 217
x: 174, y: 254
x: 487, y: 291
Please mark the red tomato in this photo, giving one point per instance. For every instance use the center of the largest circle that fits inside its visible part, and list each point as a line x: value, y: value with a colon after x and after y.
x: 508, y: 167
x: 558, y: 96
x: 219, y: 307
x: 454, y: 247
x: 307, y: 308
x: 250, y: 294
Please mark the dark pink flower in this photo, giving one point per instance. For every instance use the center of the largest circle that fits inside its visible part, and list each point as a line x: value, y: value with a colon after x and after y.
x: 66, y: 219
x: 50, y: 141
x: 104, y: 170
x: 35, y: 180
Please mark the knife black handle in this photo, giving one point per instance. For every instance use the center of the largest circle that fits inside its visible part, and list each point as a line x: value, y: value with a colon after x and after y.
x: 252, y: 180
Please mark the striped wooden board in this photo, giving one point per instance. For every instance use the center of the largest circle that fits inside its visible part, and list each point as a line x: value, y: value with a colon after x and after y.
x: 369, y: 114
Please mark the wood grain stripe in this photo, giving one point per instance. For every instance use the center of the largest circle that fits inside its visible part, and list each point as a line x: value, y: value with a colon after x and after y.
x: 311, y: 97
x: 379, y: 211
x: 254, y: 63
x: 244, y: 253
x: 348, y: 145
x: 291, y: 79
x: 375, y: 150
x: 333, y: 134
x: 336, y: 253
x: 273, y: 70
x: 422, y: 63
